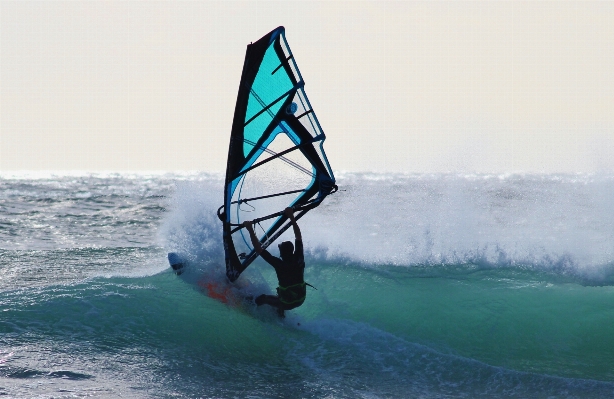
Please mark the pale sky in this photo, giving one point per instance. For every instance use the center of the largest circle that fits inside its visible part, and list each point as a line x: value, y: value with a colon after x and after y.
x: 485, y: 87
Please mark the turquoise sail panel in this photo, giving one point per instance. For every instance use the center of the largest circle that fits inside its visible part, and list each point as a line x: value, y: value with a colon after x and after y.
x: 254, y: 130
x: 271, y: 83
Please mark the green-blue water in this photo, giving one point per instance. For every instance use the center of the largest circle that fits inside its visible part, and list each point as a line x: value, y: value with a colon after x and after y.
x: 90, y: 308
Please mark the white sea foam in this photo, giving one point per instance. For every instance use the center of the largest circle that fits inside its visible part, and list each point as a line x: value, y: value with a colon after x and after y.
x: 560, y: 223
x: 504, y: 220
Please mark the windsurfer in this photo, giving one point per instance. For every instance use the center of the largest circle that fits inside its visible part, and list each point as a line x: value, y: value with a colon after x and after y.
x: 290, y: 269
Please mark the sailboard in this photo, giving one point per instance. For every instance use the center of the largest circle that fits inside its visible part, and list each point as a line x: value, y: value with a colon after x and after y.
x: 276, y: 157
x: 214, y: 284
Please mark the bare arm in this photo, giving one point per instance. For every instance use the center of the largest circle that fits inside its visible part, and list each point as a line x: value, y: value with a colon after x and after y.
x: 252, y: 236
x: 289, y: 212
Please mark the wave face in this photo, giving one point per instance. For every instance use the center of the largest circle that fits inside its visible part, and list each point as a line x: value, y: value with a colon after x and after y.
x: 428, y: 286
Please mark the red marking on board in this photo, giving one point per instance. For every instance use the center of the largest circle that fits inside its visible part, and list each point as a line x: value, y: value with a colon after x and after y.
x: 219, y: 291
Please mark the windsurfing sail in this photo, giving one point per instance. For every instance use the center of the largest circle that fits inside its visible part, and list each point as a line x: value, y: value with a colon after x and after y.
x: 276, y: 157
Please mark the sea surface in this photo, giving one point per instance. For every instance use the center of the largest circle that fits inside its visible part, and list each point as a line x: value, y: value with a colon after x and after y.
x: 428, y: 286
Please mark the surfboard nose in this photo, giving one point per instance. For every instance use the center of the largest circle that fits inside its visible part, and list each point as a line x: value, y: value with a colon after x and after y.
x: 175, y: 262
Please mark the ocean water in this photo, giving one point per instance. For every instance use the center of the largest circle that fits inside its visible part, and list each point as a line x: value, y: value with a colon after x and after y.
x: 428, y: 286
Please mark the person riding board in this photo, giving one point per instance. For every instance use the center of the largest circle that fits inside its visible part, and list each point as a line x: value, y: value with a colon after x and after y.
x: 290, y: 269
